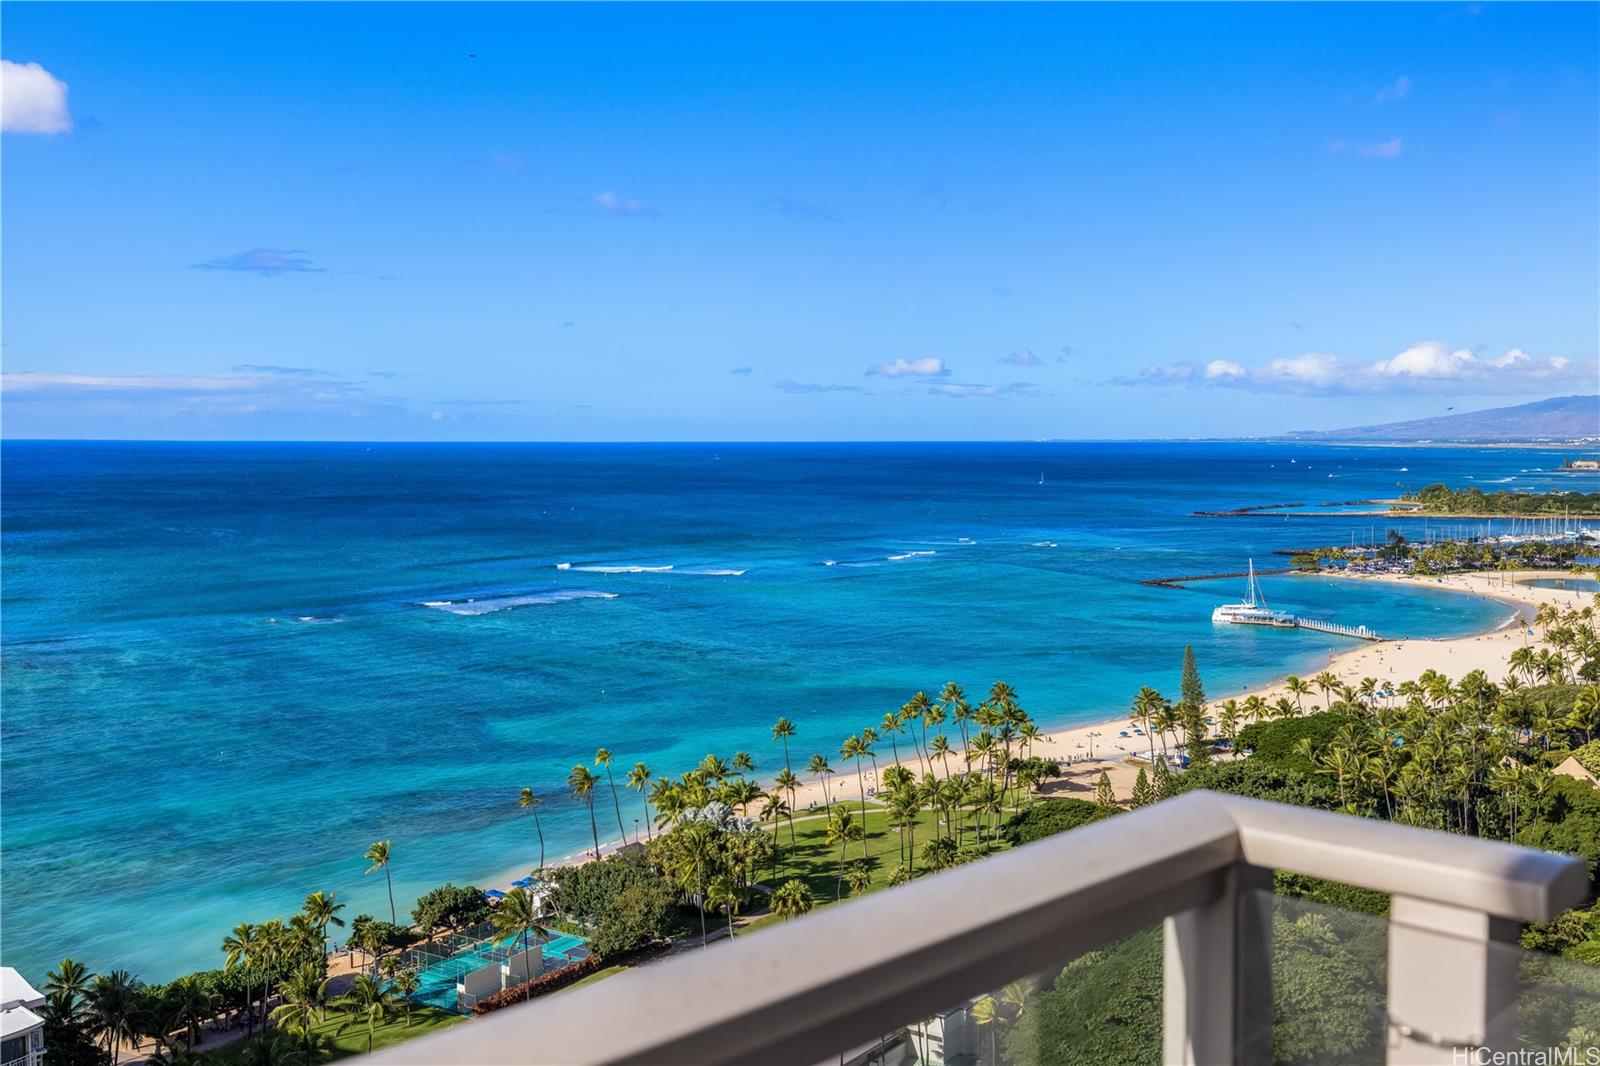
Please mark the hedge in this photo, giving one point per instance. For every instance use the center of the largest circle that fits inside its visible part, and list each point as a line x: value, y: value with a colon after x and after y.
x: 545, y: 983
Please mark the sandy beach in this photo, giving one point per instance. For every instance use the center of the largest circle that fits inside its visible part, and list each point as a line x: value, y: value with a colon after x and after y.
x: 1085, y: 750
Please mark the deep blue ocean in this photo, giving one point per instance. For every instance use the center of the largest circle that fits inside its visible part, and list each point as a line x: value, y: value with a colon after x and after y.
x: 228, y: 668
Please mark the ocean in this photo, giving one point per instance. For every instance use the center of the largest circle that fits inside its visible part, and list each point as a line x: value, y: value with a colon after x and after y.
x: 228, y: 668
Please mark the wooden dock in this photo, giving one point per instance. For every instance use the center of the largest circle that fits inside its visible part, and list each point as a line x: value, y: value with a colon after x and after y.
x: 1358, y: 632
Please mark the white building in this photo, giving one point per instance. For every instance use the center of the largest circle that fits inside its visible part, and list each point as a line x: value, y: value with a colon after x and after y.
x: 21, y: 1028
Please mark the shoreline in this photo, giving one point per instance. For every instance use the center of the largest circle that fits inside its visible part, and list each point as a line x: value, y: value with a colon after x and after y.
x: 1085, y: 749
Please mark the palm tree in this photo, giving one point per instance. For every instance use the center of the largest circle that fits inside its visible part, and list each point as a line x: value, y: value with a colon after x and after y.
x: 1145, y: 706
x: 941, y: 748
x: 859, y: 877
x: 378, y: 856
x: 638, y: 779
x: 368, y: 1001
x: 992, y: 1012
x: 775, y: 809
x: 792, y: 899
x: 906, y: 805
x: 666, y: 796
x: 322, y: 909
x: 70, y: 981
x: 842, y: 829
x: 406, y: 983
x: 305, y: 993
x: 787, y: 783
x: 818, y: 767
x: 855, y: 748
x: 582, y: 783
x: 714, y: 768
x: 699, y: 845
x: 529, y: 801
x: 915, y: 713
x: 278, y: 1049
x: 518, y: 915
x: 892, y: 726
x: 241, y: 947
x: 782, y: 730
x: 742, y: 763
x: 603, y: 758
x: 1326, y: 681
x: 114, y: 1009
x: 1297, y: 688
x: 724, y: 896
x: 188, y: 1004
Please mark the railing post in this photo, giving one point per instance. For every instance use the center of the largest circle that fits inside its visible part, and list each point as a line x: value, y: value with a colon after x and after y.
x: 1217, y: 984
x: 1452, y: 982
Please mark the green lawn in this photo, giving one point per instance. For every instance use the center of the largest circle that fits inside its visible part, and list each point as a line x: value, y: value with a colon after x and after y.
x: 353, y: 1041
x: 811, y: 859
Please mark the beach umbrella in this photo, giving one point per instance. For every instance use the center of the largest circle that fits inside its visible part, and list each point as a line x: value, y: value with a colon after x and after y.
x: 494, y: 893
x: 522, y: 882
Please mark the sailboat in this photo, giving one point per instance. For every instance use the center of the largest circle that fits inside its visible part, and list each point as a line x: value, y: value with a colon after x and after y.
x: 1253, y: 609
x: 1041, y: 477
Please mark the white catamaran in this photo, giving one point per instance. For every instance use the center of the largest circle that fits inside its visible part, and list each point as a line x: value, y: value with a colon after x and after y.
x: 1253, y: 611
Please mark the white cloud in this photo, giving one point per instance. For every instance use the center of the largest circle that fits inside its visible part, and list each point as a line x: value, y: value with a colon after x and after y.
x: 32, y: 100
x: 1421, y: 367
x: 958, y: 390
x: 1311, y: 369
x: 1398, y: 89
x: 903, y: 367
x: 613, y: 204
x: 1390, y: 149
x: 1023, y: 357
x: 243, y: 391
x: 1430, y: 359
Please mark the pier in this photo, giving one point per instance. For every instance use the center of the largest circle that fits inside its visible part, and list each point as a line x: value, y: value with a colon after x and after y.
x: 1358, y: 632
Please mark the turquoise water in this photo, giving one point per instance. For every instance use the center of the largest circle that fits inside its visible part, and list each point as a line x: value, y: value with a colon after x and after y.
x: 1570, y: 584
x: 230, y: 668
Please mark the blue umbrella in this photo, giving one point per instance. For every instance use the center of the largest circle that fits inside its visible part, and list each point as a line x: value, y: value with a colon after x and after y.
x: 522, y: 882
x: 494, y: 893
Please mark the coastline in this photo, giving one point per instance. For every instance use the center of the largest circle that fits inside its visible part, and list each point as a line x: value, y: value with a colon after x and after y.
x: 1086, y: 749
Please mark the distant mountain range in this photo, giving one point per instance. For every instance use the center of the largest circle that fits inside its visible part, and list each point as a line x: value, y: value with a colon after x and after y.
x: 1563, y: 418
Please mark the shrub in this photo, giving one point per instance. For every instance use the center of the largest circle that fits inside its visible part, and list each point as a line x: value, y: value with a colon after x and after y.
x: 449, y: 907
x: 1275, y: 742
x: 586, y: 892
x: 1588, y: 756
x: 1259, y: 780
x: 640, y: 915
x: 1049, y: 817
x: 1568, y: 820
x: 544, y: 984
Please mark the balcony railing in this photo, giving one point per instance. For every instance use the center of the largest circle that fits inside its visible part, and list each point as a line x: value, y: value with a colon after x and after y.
x: 806, y: 991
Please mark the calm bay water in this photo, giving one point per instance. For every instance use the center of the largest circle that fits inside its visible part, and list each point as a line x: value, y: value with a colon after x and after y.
x: 229, y: 668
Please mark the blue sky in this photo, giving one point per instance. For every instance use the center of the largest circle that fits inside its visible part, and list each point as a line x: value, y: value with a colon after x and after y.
x: 790, y: 222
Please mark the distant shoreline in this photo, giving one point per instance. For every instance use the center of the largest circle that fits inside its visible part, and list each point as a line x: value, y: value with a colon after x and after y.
x: 1391, y: 660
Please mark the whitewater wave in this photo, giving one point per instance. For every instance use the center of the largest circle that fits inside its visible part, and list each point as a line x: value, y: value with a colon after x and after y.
x: 491, y: 604
x: 621, y: 568
x: 909, y: 555
x: 1043, y: 544
x: 715, y: 573
x: 315, y: 620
